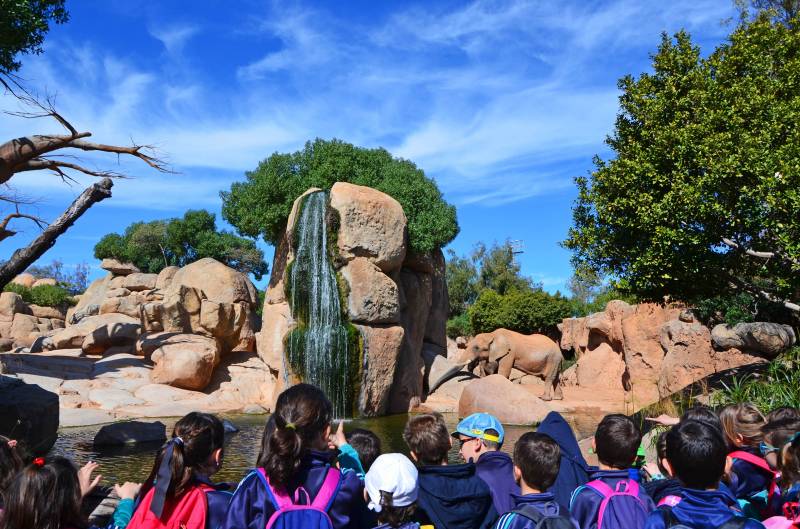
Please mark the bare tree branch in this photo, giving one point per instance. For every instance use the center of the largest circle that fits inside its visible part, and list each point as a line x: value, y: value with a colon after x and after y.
x: 56, y: 165
x: 761, y: 255
x: 758, y: 291
x: 5, y: 232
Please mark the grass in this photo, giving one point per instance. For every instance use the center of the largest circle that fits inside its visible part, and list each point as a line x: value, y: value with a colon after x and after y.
x: 778, y: 385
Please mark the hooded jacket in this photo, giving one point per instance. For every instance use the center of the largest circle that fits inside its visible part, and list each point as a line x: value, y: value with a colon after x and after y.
x: 661, y: 488
x: 746, y: 479
x: 702, y: 509
x: 544, y: 502
x: 585, y: 503
x: 497, y: 470
x: 454, y: 497
x: 251, y: 507
x: 574, y: 471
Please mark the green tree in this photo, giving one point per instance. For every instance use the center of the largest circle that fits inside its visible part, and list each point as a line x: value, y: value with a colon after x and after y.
x: 462, y: 283
x: 703, y: 194
x: 530, y: 311
x: 260, y: 205
x: 23, y: 25
x: 154, y: 245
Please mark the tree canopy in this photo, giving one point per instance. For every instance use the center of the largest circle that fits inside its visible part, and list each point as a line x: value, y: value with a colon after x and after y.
x: 703, y: 194
x: 152, y: 246
x: 260, y: 205
x: 23, y: 25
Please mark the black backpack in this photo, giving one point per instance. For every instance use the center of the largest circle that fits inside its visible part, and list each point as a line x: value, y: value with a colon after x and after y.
x: 544, y: 521
x: 671, y: 522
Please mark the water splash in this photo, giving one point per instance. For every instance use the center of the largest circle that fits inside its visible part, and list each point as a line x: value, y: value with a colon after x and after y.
x: 318, y: 350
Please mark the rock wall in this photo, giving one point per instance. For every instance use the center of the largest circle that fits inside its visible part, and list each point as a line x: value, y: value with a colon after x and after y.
x: 397, y: 301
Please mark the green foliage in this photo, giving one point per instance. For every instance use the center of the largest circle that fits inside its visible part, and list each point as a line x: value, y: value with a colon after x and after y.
x: 260, y: 206
x: 530, y: 311
x: 778, y: 386
x: 43, y: 295
x: 23, y: 25
x: 706, y: 150
x: 462, y: 283
x: 459, y: 326
x: 75, y: 280
x: 737, y: 308
x: 152, y: 246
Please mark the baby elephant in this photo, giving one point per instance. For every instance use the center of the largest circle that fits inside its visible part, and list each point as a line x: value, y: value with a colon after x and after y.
x: 501, y: 350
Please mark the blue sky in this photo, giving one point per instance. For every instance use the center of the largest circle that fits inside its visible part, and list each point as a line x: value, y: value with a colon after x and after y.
x: 502, y: 103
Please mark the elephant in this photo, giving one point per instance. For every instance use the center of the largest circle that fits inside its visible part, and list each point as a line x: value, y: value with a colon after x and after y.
x: 501, y: 350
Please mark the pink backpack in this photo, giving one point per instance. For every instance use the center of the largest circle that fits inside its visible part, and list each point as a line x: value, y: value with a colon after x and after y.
x: 669, y: 501
x: 789, y: 520
x: 621, y: 507
x: 313, y: 514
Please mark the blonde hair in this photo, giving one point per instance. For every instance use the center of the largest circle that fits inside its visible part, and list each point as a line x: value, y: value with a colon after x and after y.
x: 742, y: 420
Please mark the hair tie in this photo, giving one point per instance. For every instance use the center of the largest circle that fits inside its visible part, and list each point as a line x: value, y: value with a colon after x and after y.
x: 290, y: 425
x: 178, y: 440
x: 39, y: 462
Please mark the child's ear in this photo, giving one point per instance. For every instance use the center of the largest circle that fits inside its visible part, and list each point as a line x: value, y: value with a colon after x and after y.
x: 218, y: 457
x: 414, y: 456
x: 665, y: 463
x: 517, y: 474
x: 450, y: 437
x: 594, y: 446
x: 739, y: 439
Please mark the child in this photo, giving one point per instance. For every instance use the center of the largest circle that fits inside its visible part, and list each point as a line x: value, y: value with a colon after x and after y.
x: 10, y: 464
x: 662, y: 487
x: 452, y: 497
x: 696, y: 455
x: 47, y: 494
x: 789, y: 465
x: 536, y: 462
x: 366, y: 444
x: 750, y: 478
x: 390, y: 487
x: 481, y: 436
x: 775, y: 435
x: 573, y: 469
x: 178, y: 491
x: 783, y: 413
x: 616, y: 443
x: 297, y: 464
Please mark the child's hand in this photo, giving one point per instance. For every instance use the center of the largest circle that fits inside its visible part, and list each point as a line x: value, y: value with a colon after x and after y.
x: 664, y: 420
x: 338, y: 438
x: 128, y: 490
x: 85, y: 478
x: 12, y: 443
x: 651, y: 469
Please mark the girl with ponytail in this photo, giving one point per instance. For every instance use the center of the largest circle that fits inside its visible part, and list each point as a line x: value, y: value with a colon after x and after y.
x: 296, y: 463
x: 178, y: 493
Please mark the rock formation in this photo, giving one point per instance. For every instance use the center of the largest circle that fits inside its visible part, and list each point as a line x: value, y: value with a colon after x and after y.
x: 28, y: 413
x: 397, y: 301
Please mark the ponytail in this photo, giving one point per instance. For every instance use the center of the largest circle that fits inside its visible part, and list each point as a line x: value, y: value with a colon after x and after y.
x: 302, y: 413
x: 194, y: 440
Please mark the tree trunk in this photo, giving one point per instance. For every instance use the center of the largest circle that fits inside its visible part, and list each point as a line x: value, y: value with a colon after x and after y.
x: 24, y: 257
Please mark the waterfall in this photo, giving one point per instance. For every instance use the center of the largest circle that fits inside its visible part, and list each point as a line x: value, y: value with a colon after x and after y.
x: 318, y: 350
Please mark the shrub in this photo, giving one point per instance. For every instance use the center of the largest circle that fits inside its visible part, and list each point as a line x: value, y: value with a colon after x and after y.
x: 22, y: 291
x: 459, y: 326
x: 776, y: 387
x: 43, y: 295
x: 527, y: 312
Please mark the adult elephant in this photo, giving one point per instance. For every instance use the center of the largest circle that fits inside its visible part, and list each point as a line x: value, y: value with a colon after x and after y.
x: 501, y: 350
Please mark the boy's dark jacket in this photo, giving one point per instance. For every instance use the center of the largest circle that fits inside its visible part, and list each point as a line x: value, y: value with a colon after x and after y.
x: 702, y: 509
x: 250, y: 507
x: 585, y: 503
x: 661, y: 488
x: 544, y: 502
x: 454, y: 497
x: 497, y: 470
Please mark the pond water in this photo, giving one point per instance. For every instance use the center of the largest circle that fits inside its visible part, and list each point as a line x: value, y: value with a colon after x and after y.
x: 241, y: 448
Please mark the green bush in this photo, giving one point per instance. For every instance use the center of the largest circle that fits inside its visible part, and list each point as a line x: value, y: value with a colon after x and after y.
x: 459, y: 326
x: 527, y: 312
x: 43, y: 295
x: 260, y: 205
x: 775, y: 388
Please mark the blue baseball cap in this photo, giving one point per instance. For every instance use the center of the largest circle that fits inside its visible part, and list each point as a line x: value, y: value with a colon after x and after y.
x: 476, y: 425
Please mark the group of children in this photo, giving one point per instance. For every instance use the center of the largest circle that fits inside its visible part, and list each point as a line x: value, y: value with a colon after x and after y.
x: 732, y: 470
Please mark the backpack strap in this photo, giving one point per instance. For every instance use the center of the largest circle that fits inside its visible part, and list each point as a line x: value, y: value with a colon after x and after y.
x: 328, y: 490
x: 280, y: 499
x: 761, y: 463
x: 624, y: 487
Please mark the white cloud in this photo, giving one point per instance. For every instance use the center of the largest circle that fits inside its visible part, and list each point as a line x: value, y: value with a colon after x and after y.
x: 175, y: 37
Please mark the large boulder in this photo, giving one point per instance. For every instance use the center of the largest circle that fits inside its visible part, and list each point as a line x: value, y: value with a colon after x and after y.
x: 185, y: 360
x: 110, y: 334
x: 139, y: 281
x: 165, y: 277
x: 216, y: 281
x: 45, y: 281
x: 90, y: 301
x: 10, y: 304
x: 371, y: 224
x: 130, y: 432
x: 24, y: 329
x: 105, y: 325
x: 509, y: 402
x: 767, y: 339
x: 117, y: 268
x: 381, y: 348
x: 601, y: 367
x: 25, y: 279
x: 373, y: 296
x: 28, y: 413
x: 53, y: 313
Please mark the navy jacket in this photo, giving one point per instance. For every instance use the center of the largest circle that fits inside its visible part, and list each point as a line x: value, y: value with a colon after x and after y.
x: 454, y: 497
x: 545, y: 503
x: 574, y: 471
x: 702, y: 509
x: 747, y: 479
x: 661, y: 488
x: 250, y: 507
x: 497, y: 470
x: 585, y: 503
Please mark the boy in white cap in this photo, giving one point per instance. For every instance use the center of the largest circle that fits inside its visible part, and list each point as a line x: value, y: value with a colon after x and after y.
x: 390, y: 489
x: 481, y: 436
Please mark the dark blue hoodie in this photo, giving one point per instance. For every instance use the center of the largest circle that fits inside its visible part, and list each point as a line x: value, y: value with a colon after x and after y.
x: 544, y: 502
x: 250, y: 507
x: 497, y: 470
x: 659, y: 489
x: 574, y: 471
x: 454, y: 497
x: 702, y: 509
x: 585, y: 503
x: 746, y: 479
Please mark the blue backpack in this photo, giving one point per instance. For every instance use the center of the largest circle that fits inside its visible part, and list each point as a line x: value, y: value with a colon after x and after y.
x: 621, y: 507
x: 670, y: 522
x: 313, y: 514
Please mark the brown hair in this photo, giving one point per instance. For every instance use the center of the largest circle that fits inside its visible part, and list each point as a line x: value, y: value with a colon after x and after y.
x: 302, y: 414
x: 395, y: 516
x: 742, y: 420
x: 200, y: 435
x: 617, y: 441
x: 789, y: 462
x: 538, y: 458
x: 427, y: 436
x: 46, y: 496
x: 10, y: 463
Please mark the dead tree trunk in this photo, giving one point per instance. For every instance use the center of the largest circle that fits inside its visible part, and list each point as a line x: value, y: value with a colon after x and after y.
x: 24, y: 257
